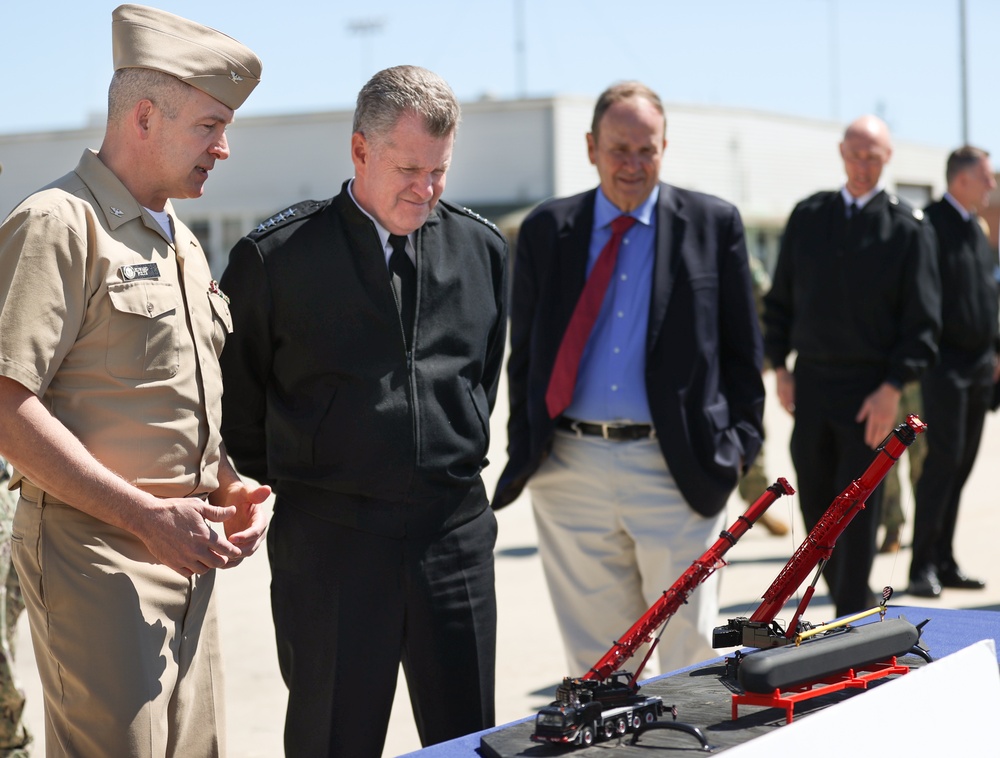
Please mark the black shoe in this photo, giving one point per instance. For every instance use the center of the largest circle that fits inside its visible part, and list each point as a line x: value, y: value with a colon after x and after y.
x: 955, y: 578
x: 924, y: 583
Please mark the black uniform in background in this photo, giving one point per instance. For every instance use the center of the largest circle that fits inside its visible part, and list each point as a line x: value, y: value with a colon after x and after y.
x: 958, y: 390
x: 859, y: 301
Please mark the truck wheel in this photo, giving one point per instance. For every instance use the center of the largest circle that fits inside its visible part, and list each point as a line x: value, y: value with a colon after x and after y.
x: 587, y: 736
x: 636, y: 721
x: 649, y: 716
x: 609, y: 729
x: 621, y: 725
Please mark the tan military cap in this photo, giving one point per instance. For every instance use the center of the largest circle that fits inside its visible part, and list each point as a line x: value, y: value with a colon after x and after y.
x: 213, y: 62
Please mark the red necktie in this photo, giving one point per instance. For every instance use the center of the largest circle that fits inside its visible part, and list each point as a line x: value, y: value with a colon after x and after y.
x: 563, y: 380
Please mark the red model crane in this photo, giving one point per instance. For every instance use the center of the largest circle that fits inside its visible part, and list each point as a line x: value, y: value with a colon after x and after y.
x: 761, y: 629
x: 606, y: 701
x: 645, y: 629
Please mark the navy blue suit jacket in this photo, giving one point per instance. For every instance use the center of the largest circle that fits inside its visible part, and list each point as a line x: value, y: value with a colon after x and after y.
x: 703, y: 350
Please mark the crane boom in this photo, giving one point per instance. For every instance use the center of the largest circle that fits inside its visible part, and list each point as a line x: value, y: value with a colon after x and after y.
x: 817, y: 547
x: 644, y: 630
x: 606, y: 700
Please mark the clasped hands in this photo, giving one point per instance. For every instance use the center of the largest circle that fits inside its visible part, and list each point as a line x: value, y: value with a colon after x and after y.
x: 177, y: 530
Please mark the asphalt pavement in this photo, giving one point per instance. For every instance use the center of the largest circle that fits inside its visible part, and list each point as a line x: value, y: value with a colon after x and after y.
x: 529, y: 657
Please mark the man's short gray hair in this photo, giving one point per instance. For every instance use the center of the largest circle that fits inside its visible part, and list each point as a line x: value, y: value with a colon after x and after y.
x: 395, y: 91
x: 130, y: 85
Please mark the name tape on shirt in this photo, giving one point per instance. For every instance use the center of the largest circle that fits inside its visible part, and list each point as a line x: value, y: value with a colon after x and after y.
x: 139, y: 271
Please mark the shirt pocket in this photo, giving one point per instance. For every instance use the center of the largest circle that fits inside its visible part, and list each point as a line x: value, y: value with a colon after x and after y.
x: 222, y: 322
x: 142, y: 331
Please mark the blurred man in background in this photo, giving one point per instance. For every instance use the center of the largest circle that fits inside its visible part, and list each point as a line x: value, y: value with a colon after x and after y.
x: 856, y: 294
x: 957, y: 391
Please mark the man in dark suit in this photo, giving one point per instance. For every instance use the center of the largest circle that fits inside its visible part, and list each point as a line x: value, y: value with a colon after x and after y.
x: 633, y: 428
x: 856, y: 294
x: 369, y: 332
x: 957, y: 391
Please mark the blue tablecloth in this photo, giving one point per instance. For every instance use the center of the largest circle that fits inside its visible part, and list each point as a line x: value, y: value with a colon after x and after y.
x: 948, y: 631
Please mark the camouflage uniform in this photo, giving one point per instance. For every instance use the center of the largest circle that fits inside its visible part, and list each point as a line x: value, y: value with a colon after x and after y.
x: 892, y: 510
x: 754, y: 481
x: 13, y: 735
x: 752, y: 484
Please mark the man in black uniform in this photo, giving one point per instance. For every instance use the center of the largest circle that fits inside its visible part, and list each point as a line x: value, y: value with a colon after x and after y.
x: 957, y: 391
x: 369, y: 332
x: 856, y: 293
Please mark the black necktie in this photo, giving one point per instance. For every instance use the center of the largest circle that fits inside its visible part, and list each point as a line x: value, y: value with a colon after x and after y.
x: 852, y: 211
x: 404, y: 284
x: 975, y: 228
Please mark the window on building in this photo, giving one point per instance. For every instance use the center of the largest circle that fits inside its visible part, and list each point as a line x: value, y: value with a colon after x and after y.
x: 233, y: 228
x: 763, y: 244
x: 202, y: 229
x: 217, y: 237
x: 917, y: 195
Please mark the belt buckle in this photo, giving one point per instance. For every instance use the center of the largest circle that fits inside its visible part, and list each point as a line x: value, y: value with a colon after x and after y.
x: 574, y: 426
x: 607, y: 428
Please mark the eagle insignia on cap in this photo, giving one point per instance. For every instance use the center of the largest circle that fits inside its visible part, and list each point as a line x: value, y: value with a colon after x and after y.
x: 198, y: 55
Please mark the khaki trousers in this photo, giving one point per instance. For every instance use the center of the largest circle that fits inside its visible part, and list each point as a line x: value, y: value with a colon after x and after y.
x: 613, y: 534
x: 127, y: 650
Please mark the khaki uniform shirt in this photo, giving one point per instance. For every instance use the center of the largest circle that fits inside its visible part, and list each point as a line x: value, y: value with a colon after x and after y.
x: 117, y: 330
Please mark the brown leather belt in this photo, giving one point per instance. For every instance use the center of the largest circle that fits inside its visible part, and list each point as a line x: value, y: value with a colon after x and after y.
x: 616, y: 432
x: 31, y: 492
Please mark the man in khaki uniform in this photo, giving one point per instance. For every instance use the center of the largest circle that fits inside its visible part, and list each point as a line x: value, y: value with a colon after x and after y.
x: 110, y: 403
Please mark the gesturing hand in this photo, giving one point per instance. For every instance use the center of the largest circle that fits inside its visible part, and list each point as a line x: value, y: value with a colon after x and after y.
x: 785, y: 385
x: 245, y: 529
x: 878, y: 412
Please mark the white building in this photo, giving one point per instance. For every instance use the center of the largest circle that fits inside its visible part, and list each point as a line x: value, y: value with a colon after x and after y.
x: 509, y: 155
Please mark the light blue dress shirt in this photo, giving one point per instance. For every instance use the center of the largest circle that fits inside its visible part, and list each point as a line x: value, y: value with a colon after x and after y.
x: 611, y: 383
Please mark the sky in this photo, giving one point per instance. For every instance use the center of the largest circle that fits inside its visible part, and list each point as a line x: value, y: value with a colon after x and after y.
x: 822, y: 59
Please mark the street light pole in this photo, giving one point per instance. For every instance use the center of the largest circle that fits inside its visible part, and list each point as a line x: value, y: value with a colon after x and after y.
x: 834, y: 63
x: 519, y: 50
x: 365, y: 28
x: 964, y: 72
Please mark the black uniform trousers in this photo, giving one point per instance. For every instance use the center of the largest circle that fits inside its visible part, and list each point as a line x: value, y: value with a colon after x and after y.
x: 957, y: 395
x: 349, y: 606
x: 829, y: 452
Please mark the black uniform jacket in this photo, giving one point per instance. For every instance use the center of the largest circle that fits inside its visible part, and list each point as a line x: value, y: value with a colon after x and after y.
x: 703, y: 349
x: 862, y: 293
x: 968, y: 285
x: 320, y: 393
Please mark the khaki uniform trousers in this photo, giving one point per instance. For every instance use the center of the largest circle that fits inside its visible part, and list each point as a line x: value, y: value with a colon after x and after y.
x: 614, y: 532
x: 127, y: 649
